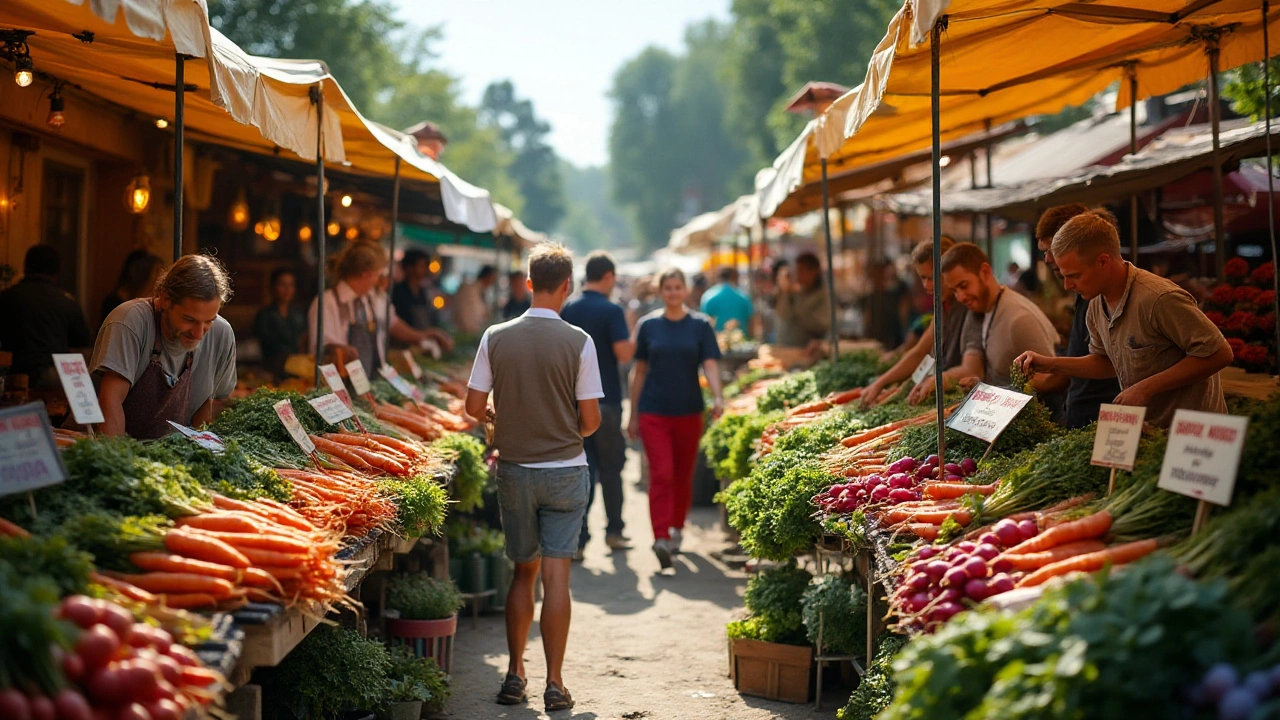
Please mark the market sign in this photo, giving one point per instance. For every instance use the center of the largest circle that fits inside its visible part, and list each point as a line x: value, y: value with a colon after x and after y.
x: 284, y: 410
x: 78, y: 386
x: 1203, y: 454
x: 29, y: 456
x: 203, y: 438
x: 359, y: 381
x: 922, y: 370
x: 413, y: 365
x: 331, y: 408
x: 987, y: 411
x: 1119, y: 430
x: 401, y: 385
x: 334, y: 380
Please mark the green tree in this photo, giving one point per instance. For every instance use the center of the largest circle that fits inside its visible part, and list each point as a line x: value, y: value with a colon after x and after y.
x: 534, y: 167
x: 1244, y: 88
x: 593, y: 221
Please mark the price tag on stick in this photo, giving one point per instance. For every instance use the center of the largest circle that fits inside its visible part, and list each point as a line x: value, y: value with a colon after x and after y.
x: 987, y: 411
x: 339, y: 388
x: 1115, y: 445
x: 29, y: 457
x: 412, y: 364
x: 922, y: 370
x: 359, y: 381
x: 1202, y: 457
x: 78, y: 386
x: 331, y: 408
x: 284, y: 410
x: 401, y: 385
x: 204, y: 439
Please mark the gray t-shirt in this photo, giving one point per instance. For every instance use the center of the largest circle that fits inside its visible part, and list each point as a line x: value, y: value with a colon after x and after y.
x: 124, y: 346
x: 1015, y: 326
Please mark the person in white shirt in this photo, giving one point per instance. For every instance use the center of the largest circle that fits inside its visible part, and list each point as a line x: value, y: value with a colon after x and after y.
x: 470, y: 311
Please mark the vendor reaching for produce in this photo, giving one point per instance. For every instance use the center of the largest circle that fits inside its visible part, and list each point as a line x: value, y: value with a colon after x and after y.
x: 1143, y: 329
x: 353, y: 323
x: 953, y: 329
x: 169, y: 356
x: 1000, y: 326
x: 804, y: 310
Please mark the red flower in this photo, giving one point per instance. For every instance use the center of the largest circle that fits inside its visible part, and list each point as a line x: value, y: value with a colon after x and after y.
x: 1264, y: 274
x: 1252, y: 355
x: 1247, y: 295
x: 1240, y: 322
x: 1236, y: 346
x: 1266, y: 299
x: 1223, y: 295
x: 1216, y: 317
x: 1266, y: 322
x: 1236, y: 268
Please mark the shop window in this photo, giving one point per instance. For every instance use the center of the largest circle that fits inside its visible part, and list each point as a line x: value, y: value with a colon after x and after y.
x: 62, y: 214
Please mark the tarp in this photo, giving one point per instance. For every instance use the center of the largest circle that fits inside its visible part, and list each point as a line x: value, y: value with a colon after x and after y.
x: 1173, y: 155
x: 1003, y: 60
x: 510, y: 226
x: 704, y: 231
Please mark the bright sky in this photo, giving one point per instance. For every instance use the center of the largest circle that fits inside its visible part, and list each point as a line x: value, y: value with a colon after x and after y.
x: 560, y: 53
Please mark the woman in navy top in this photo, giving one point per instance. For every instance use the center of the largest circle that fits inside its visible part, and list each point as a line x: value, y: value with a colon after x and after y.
x: 667, y: 407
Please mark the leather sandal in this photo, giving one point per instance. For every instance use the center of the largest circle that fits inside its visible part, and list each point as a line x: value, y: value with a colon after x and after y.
x: 557, y: 698
x: 513, y: 691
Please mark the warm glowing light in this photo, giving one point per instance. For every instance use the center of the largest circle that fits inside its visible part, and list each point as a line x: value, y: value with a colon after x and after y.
x: 333, y: 228
x: 162, y: 123
x: 137, y: 194
x: 438, y: 302
x: 944, y: 161
x: 24, y: 78
x: 434, y: 267
x: 238, y: 219
x: 353, y: 232
x: 57, y: 111
x: 304, y: 233
x: 270, y: 229
x: 346, y: 201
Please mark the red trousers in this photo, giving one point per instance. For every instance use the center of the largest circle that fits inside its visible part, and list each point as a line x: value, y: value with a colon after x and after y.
x: 671, y: 446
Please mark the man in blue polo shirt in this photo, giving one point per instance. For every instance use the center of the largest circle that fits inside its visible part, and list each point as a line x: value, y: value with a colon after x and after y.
x: 606, y: 323
x: 726, y: 302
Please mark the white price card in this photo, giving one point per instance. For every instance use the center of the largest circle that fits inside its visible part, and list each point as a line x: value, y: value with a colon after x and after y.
x: 414, y: 369
x: 335, y: 383
x: 390, y: 375
x: 1203, y: 454
x: 331, y: 408
x: 78, y: 386
x: 203, y: 438
x: 987, y: 411
x: 1119, y: 430
x: 29, y: 457
x: 359, y: 381
x: 922, y: 370
x: 284, y: 409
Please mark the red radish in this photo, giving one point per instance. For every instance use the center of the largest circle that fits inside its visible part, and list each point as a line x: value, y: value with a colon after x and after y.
x: 139, y: 677
x: 926, y: 552
x: 932, y: 460
x: 81, y: 610
x: 183, y: 655
x: 955, y: 577
x: 976, y: 567
x: 903, y: 465
x: 71, y: 705
x: 965, y: 546
x: 954, y: 469
x: 1001, y: 583
x: 950, y: 595
x: 97, y: 645
x: 163, y: 690
x: 899, y: 480
x: 874, y: 481
x: 14, y: 704
x: 945, y: 611
x: 987, y: 551
x: 936, y: 569
x: 927, y: 472
x: 1028, y: 528
x: 1002, y: 565
x: 1008, y: 532
x: 73, y: 667
x: 133, y: 711
x: 165, y: 710
x: 916, y: 602
x: 170, y: 670
x: 990, y: 538
x: 105, y: 688
x: 977, y: 589
x: 118, y: 619
x: 969, y: 465
x: 880, y: 494
x: 901, y: 495
x: 42, y: 708
x: 918, y: 582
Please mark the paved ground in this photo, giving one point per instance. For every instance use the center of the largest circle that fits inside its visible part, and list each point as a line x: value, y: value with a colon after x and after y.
x: 642, y: 645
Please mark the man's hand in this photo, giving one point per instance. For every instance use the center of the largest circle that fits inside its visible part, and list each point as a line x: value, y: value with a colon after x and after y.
x: 717, y: 408
x: 1031, y: 362
x: 1134, y: 395
x: 921, y: 392
x: 870, y: 393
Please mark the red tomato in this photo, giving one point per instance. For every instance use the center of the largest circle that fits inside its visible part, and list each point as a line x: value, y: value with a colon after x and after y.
x: 133, y: 711
x: 97, y: 645
x: 81, y: 610
x: 165, y: 710
x: 118, y: 619
x: 71, y: 705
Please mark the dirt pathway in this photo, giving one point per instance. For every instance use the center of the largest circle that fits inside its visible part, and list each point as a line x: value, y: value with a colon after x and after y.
x: 642, y: 645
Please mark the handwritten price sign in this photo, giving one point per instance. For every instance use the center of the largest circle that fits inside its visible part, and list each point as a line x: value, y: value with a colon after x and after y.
x: 987, y: 411
x: 400, y: 384
x: 1203, y: 455
x: 76, y: 383
x: 1119, y: 430
x: 29, y: 457
x: 284, y: 410
x: 331, y: 408
x: 922, y: 370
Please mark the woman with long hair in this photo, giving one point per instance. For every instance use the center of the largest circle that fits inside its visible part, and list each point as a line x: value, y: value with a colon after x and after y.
x: 138, y: 276
x: 672, y: 344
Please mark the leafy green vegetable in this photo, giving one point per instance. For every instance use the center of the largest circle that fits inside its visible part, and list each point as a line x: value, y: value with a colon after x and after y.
x: 1031, y: 427
x: 840, y: 607
x: 773, y: 597
x: 233, y: 473
x: 875, y: 689
x: 418, y: 596
x: 1055, y: 471
x: 1239, y: 545
x: 854, y: 370
x: 28, y: 632
x: 471, y: 472
x: 422, y: 677
x: 730, y: 442
x: 111, y: 537
x: 332, y: 669
x: 771, y: 508
x: 255, y: 416
x: 792, y: 390
x: 51, y: 557
x: 422, y: 503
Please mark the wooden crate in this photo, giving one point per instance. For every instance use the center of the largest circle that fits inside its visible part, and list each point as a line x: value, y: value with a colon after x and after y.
x: 771, y: 670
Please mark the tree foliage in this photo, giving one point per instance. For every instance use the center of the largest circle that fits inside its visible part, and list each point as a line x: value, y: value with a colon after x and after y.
x: 1244, y: 87
x: 534, y: 166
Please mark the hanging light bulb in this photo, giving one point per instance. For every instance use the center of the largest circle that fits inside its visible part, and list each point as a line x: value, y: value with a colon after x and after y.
x: 24, y: 73
x: 433, y: 267
x: 304, y: 233
x: 353, y: 232
x: 346, y: 201
x: 239, y: 217
x: 137, y: 196
x: 57, y: 117
x: 162, y: 123
x: 271, y: 228
x: 333, y: 228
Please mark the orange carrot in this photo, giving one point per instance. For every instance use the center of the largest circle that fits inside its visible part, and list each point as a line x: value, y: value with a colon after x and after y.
x: 1086, y: 528
x: 946, y: 490
x: 221, y: 522
x: 844, y: 398
x: 200, y: 547
x: 815, y: 406
x: 186, y: 601
x: 1037, y: 560
x: 873, y: 433
x: 933, y: 517
x: 270, y: 557
x: 1115, y: 555
x: 262, y: 541
x: 132, y: 592
x: 282, y: 573
x: 287, y: 516
x: 164, y: 562
x: 924, y: 531
x: 169, y: 582
x: 12, y: 530
x: 397, y: 444
x: 200, y: 677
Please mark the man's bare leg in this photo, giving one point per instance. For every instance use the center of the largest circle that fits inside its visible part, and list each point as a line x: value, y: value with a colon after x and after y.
x: 556, y: 612
x: 519, y: 613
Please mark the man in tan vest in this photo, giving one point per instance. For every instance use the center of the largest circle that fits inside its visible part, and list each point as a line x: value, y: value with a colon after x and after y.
x: 546, y: 388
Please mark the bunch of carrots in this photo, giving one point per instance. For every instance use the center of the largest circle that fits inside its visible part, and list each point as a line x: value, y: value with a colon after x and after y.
x: 408, y: 422
x: 339, y: 501
x: 863, y: 453
x: 370, y: 453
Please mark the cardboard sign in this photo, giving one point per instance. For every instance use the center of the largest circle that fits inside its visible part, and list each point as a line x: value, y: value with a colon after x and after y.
x: 1203, y: 455
x: 331, y: 408
x: 987, y: 411
x: 413, y: 365
x: 400, y: 384
x: 1119, y: 430
x: 284, y: 409
x: 922, y: 370
x: 78, y: 386
x: 29, y: 457
x: 359, y: 381
x: 204, y: 439
x: 335, y: 383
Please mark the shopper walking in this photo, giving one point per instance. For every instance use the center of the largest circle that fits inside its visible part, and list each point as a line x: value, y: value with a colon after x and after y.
x: 606, y: 323
x: 545, y: 382
x: 667, y: 405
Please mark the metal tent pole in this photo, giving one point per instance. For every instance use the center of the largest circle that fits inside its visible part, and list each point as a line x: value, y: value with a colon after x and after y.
x: 1219, y: 233
x: 935, y: 61
x: 986, y: 217
x: 322, y: 233
x: 831, y: 273
x: 179, y: 110
x: 1271, y: 188
x: 395, y: 226
x: 1133, y: 148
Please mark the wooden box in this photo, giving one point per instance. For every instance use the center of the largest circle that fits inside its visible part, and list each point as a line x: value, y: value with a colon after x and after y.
x: 771, y: 670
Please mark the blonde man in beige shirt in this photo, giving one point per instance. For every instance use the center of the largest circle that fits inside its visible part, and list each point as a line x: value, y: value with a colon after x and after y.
x: 1143, y: 329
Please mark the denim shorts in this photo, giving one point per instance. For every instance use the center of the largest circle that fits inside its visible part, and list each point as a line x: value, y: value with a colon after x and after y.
x: 542, y: 510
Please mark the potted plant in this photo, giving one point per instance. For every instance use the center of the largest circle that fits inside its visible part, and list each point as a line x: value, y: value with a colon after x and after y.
x: 416, y: 686
x: 768, y: 653
x: 423, y: 614
x: 330, y: 673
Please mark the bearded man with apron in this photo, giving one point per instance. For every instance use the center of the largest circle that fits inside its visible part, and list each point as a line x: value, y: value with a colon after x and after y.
x: 167, y: 358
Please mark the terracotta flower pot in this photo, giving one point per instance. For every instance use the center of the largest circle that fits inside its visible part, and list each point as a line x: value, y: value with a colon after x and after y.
x: 426, y: 638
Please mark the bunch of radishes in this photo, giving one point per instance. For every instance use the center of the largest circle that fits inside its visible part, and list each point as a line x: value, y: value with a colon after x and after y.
x: 901, y: 484
x: 1234, y: 697
x: 938, y: 581
x: 116, y: 670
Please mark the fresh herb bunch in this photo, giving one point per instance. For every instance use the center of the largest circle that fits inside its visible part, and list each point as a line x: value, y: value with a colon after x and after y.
x: 418, y: 596
x: 1108, y: 646
x: 116, y: 474
x: 841, y: 608
x: 255, y: 416
x: 814, y: 439
x: 485, y: 541
x: 51, y: 557
x: 421, y: 503
x: 773, y: 597
x: 233, y: 473
x: 875, y: 689
x: 792, y: 390
x: 853, y: 370
x: 331, y: 670
x: 1031, y: 427
x: 730, y: 442
x: 471, y: 472
x: 1261, y: 454
x: 1057, y: 470
x: 417, y: 678
x: 771, y: 507
x: 1239, y: 546
x: 111, y: 537
x: 29, y: 632
x: 852, y: 528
